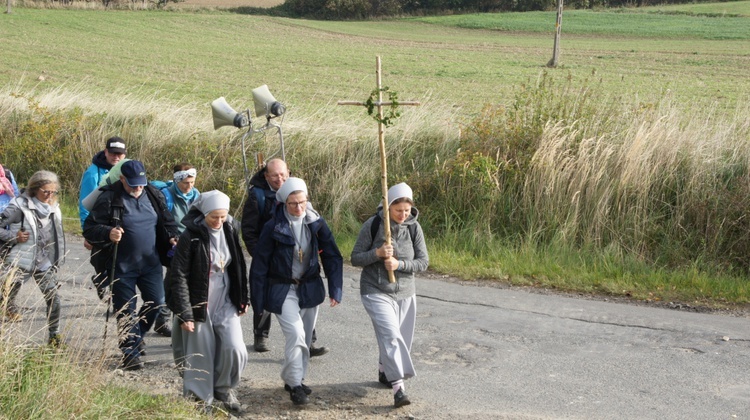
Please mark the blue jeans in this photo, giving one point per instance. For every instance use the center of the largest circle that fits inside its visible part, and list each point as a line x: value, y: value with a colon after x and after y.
x: 150, y: 283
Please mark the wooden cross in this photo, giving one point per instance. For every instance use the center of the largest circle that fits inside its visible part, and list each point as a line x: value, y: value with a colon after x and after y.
x: 381, y: 141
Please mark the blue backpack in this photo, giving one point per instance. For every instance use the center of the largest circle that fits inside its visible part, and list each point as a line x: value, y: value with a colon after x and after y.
x: 164, y: 188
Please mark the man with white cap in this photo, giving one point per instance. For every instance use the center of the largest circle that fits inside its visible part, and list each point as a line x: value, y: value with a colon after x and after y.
x: 114, y: 151
x: 102, y: 162
x: 285, y: 278
x: 208, y: 292
x: 392, y: 307
x: 131, y: 218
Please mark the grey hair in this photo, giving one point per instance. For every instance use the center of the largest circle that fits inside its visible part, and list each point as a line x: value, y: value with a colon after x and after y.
x: 40, y: 179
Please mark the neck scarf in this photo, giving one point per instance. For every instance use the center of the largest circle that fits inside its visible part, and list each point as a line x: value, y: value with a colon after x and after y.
x: 189, y: 197
x: 43, y: 210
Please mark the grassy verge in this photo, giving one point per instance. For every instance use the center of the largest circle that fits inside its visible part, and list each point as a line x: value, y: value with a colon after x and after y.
x: 41, y: 382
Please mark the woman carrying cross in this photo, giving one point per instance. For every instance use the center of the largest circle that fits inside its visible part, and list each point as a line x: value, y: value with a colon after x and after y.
x: 392, y: 306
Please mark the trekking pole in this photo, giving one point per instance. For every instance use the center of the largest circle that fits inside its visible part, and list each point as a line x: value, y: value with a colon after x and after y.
x: 111, y: 278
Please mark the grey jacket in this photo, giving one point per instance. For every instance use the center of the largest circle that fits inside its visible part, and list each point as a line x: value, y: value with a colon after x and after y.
x: 411, y: 251
x: 24, y: 254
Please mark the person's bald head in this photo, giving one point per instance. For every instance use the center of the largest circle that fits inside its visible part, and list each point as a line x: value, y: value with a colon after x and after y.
x: 276, y: 173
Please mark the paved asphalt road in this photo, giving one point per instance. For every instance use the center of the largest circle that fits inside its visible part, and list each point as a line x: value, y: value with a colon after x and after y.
x: 487, y: 352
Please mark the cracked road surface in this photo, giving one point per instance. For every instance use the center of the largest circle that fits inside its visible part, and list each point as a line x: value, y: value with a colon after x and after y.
x: 480, y: 352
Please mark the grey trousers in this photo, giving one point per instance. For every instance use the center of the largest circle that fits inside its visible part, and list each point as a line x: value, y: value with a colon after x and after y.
x: 394, y: 322
x: 297, y: 325
x: 215, y: 356
x: 47, y: 283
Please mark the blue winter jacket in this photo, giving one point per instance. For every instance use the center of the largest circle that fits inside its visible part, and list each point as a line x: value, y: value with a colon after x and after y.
x: 271, y: 268
x: 90, y: 181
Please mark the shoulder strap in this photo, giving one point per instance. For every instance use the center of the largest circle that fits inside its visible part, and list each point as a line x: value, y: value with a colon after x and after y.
x: 151, y: 191
x: 168, y: 197
x: 260, y: 196
x: 376, y: 225
x: 116, y: 208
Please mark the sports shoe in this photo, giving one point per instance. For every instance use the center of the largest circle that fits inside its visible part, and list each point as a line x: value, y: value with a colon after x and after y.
x: 317, y: 351
x: 56, y: 341
x: 142, y: 347
x: 12, y: 315
x: 260, y: 344
x: 298, y: 396
x: 230, y: 401
x: 163, y: 328
x: 383, y: 380
x: 131, y: 363
x: 305, y: 388
x: 400, y: 399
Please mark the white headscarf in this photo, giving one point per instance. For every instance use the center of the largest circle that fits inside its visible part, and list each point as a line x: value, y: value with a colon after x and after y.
x: 212, y: 200
x: 180, y: 175
x: 289, y: 186
x: 399, y: 191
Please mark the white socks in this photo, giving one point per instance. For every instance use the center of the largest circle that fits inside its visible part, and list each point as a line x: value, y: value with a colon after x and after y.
x: 398, y: 385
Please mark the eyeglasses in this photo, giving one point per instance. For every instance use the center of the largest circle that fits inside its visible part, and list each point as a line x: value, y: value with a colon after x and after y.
x: 48, y: 192
x: 297, y: 204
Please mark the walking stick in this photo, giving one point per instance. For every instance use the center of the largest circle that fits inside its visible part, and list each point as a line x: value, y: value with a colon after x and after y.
x: 111, y: 277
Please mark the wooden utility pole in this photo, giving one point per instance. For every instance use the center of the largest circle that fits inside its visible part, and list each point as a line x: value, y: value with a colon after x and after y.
x: 558, y: 29
x: 382, y: 122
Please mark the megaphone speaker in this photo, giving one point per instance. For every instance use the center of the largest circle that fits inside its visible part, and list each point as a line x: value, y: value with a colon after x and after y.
x: 225, y: 115
x: 265, y: 103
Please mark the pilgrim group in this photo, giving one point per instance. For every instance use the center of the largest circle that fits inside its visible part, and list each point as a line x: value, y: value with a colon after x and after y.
x: 181, y: 251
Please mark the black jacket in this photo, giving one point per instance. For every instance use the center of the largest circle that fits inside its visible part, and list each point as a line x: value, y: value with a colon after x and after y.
x: 253, y: 218
x: 186, y: 284
x: 99, y: 222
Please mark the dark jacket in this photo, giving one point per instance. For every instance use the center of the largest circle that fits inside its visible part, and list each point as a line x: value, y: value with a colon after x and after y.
x: 271, y: 268
x: 186, y: 285
x: 253, y: 219
x: 99, y: 222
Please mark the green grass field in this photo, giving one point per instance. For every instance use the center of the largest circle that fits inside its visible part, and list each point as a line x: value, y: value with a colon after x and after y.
x: 196, y: 57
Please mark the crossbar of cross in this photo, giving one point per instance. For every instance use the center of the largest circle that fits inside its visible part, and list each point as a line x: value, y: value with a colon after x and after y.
x: 381, y: 142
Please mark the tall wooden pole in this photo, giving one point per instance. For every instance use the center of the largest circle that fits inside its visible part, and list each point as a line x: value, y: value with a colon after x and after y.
x: 558, y: 30
x: 383, y: 164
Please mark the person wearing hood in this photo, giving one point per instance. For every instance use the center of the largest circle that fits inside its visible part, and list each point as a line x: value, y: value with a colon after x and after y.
x: 36, y: 232
x: 208, y: 291
x: 8, y: 187
x: 392, y: 307
x: 114, y: 151
x: 285, y: 278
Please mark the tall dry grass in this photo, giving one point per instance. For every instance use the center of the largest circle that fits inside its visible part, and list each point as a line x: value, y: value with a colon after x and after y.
x: 666, y: 183
x: 562, y: 163
x: 76, y: 379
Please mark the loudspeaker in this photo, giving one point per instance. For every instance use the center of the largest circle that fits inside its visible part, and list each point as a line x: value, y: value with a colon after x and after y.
x: 265, y: 103
x: 226, y: 115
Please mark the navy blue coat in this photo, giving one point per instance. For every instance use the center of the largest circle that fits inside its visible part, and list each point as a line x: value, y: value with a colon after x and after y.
x: 271, y: 268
